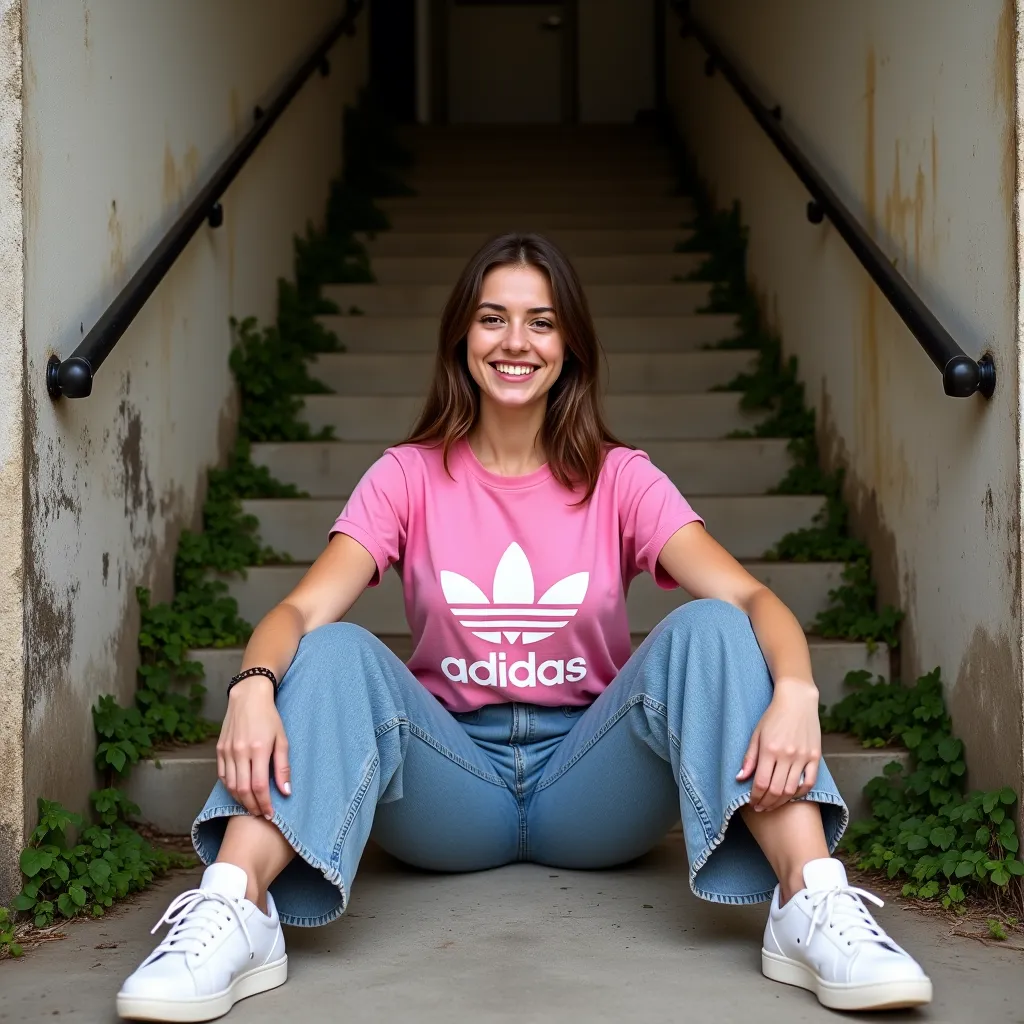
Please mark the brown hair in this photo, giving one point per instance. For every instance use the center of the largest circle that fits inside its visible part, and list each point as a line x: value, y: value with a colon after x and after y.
x: 574, y: 435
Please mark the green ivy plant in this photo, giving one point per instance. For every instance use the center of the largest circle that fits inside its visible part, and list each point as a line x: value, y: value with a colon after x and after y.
x: 270, y: 367
x: 772, y: 387
x: 269, y: 364
x: 108, y: 861
x: 9, y: 946
x: 946, y: 843
x: 924, y: 827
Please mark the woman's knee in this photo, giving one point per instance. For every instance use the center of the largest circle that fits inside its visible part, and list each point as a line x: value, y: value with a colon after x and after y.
x: 721, y: 627
x: 709, y: 613
x: 331, y: 661
x: 334, y: 637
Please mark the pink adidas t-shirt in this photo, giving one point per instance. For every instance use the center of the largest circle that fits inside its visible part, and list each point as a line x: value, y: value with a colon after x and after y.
x: 512, y: 593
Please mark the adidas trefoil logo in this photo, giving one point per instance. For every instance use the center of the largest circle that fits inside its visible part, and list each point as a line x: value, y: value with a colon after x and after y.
x: 511, y: 611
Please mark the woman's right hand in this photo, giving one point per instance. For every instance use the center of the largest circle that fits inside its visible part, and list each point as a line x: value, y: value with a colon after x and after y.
x: 252, y: 734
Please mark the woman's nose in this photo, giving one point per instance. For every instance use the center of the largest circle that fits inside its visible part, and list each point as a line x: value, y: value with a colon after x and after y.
x: 516, y: 339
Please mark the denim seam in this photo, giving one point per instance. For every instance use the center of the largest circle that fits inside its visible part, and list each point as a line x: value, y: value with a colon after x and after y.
x: 609, y: 722
x: 418, y: 732
x: 353, y: 808
x: 814, y: 796
x: 695, y: 801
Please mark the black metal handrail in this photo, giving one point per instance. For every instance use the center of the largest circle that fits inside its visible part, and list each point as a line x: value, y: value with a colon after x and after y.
x: 72, y: 377
x: 962, y: 376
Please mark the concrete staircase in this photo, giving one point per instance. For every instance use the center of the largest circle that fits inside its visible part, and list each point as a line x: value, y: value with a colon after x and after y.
x: 604, y: 195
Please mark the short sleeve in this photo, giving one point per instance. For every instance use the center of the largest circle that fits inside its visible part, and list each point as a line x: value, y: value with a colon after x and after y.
x: 377, y: 513
x: 651, y: 509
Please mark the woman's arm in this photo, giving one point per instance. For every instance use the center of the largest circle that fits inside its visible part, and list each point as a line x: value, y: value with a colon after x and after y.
x: 787, y: 742
x: 325, y: 594
x: 252, y: 731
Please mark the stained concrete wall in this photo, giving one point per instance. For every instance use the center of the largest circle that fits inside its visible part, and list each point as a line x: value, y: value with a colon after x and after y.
x: 12, y: 452
x: 908, y: 109
x: 128, y: 108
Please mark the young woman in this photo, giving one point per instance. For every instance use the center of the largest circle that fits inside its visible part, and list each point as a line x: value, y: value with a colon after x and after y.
x: 522, y: 728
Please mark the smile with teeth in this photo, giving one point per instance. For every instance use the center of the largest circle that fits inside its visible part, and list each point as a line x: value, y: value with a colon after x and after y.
x: 514, y: 369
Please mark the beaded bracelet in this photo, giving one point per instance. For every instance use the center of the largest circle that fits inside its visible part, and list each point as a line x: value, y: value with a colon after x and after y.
x: 258, y: 671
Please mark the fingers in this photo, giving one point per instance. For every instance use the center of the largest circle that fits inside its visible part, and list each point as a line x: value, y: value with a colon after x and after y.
x: 243, y: 779
x: 260, y: 781
x: 778, y: 781
x: 750, y: 757
x: 810, y: 777
x: 282, y: 768
x: 762, y: 780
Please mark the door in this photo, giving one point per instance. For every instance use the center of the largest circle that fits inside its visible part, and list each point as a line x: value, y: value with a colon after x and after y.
x: 507, y: 62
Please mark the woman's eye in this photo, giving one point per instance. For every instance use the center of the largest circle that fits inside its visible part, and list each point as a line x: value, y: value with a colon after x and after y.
x: 542, y: 323
x: 490, y: 319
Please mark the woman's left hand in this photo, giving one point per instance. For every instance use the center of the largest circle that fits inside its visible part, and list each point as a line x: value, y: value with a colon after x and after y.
x: 785, y: 746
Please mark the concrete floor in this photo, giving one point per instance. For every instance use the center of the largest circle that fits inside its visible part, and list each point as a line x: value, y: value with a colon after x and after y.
x: 523, y: 943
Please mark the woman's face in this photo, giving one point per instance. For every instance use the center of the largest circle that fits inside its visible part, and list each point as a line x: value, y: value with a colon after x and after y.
x: 514, y: 347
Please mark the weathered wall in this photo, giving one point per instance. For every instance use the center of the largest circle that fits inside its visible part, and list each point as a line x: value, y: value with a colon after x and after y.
x: 908, y: 109
x: 128, y: 109
x: 12, y: 503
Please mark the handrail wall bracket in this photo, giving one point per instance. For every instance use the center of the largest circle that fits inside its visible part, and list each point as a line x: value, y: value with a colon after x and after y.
x: 962, y: 376
x: 72, y: 377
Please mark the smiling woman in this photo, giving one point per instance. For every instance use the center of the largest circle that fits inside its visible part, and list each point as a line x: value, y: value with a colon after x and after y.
x: 523, y: 727
x: 518, y: 360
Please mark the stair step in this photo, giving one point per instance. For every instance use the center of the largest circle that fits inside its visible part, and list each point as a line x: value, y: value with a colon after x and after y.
x: 405, y: 373
x: 803, y: 586
x: 746, y: 525
x: 538, y: 221
x: 381, y: 334
x: 643, y: 268
x: 172, y: 788
x: 679, y: 299
x: 324, y: 469
x: 636, y: 184
x: 560, y: 169
x: 635, y: 418
x: 538, y: 201
x: 577, y: 244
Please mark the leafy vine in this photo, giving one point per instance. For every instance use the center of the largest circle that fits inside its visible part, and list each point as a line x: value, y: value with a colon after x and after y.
x: 269, y: 364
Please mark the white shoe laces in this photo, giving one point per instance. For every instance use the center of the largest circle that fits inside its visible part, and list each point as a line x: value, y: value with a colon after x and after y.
x: 195, y: 917
x: 842, y: 906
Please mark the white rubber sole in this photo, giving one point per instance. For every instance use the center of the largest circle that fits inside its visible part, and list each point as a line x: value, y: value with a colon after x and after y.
x: 184, y: 1011
x: 883, y: 995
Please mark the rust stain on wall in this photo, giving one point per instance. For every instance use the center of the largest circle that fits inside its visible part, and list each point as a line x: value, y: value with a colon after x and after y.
x: 177, y: 180
x: 986, y: 705
x: 904, y: 213
x: 867, y: 376
x: 117, y: 263
x: 190, y: 164
x: 866, y: 511
x: 1005, y: 67
x: 171, y: 186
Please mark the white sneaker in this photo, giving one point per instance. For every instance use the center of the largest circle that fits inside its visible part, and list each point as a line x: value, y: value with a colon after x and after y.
x: 825, y: 940
x: 221, y: 948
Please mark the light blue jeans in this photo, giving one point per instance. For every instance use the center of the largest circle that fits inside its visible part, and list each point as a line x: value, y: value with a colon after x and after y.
x: 374, y: 753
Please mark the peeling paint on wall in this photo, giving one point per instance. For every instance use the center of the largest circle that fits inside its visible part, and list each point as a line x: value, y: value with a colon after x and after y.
x: 112, y: 480
x: 12, y: 451
x: 934, y: 483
